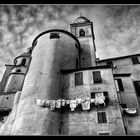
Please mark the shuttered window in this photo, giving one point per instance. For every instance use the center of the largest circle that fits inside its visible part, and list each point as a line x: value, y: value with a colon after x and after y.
x: 97, y: 77
x: 120, y: 85
x: 109, y: 63
x: 102, y: 117
x: 135, y: 60
x: 78, y: 78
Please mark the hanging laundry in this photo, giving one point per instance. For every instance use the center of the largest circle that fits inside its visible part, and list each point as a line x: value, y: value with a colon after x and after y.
x: 92, y: 100
x: 43, y: 103
x: 79, y: 100
x: 99, y: 98
x: 58, y: 103
x: 130, y: 110
x: 86, y: 104
x: 72, y: 104
x: 52, y: 104
x: 38, y: 102
x: 47, y: 103
x: 68, y: 102
x: 63, y: 102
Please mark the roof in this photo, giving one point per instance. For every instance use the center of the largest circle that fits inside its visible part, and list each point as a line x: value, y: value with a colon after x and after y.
x: 87, y: 68
x: 26, y: 54
x: 81, y: 19
x: 122, y: 74
x: 116, y: 58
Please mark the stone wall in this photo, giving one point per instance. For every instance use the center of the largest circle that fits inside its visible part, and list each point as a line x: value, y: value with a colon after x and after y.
x: 80, y: 122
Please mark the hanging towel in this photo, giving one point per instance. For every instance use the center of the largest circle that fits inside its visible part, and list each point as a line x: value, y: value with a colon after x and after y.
x: 79, y: 100
x: 38, y: 102
x: 68, y: 102
x: 58, y: 103
x: 130, y: 110
x: 43, y: 103
x: 47, y: 103
x: 92, y: 100
x: 99, y: 98
x: 52, y: 104
x: 63, y: 102
x: 72, y: 104
x: 86, y: 104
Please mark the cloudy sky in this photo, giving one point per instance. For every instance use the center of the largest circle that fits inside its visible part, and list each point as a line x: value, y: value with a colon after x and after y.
x: 116, y: 27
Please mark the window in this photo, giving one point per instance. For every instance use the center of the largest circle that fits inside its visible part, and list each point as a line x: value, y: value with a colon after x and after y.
x: 106, y: 97
x: 123, y: 105
x: 137, y: 87
x: 23, y: 62
x: 54, y: 35
x: 15, y: 62
x: 119, y: 85
x: 18, y: 70
x: 81, y: 32
x: 109, y: 63
x: 78, y: 78
x: 97, y: 77
x: 93, y: 95
x: 135, y: 60
x: 101, y: 117
x: 104, y: 133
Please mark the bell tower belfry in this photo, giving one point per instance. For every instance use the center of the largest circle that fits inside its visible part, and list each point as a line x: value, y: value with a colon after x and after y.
x: 82, y: 28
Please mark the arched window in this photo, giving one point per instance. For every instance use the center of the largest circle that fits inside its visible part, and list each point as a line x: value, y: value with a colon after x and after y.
x: 23, y: 62
x: 81, y: 32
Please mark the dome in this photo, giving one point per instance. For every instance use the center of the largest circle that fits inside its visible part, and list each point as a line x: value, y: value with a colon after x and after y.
x: 81, y: 19
x: 26, y: 54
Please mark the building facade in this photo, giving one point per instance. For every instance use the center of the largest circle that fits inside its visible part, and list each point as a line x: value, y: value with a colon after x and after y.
x: 59, y: 87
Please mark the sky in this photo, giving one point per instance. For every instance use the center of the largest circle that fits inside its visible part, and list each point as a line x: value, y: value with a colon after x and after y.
x: 116, y: 27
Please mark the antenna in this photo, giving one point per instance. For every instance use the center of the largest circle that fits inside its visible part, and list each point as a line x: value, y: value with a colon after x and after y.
x: 80, y: 14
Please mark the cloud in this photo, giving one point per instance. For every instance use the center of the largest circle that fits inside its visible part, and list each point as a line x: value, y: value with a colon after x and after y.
x: 116, y: 27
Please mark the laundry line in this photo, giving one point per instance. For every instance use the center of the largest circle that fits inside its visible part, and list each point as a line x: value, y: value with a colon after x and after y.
x: 73, y: 103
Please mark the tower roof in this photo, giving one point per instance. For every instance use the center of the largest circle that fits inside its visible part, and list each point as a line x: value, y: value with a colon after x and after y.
x: 25, y: 54
x: 81, y: 19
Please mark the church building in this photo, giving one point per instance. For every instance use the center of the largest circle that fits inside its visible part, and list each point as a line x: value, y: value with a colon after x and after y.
x: 60, y: 87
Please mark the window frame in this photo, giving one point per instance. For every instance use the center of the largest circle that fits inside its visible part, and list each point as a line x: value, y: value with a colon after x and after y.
x: 110, y: 63
x: 102, y: 118
x: 135, y: 60
x: 119, y: 84
x: 95, y: 81
x: 82, y: 30
x: 76, y: 77
x: 54, y: 35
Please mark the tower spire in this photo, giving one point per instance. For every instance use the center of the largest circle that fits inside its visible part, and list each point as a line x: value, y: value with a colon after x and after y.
x: 80, y: 14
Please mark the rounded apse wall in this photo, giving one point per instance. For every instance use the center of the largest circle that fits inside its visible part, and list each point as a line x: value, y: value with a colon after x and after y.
x: 54, y: 50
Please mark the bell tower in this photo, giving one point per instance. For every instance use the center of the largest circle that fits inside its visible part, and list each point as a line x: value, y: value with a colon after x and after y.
x: 82, y: 28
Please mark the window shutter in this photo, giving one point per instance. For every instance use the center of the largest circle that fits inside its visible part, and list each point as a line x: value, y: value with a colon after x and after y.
x: 109, y: 63
x: 92, y: 95
x: 79, y: 78
x: 102, y: 117
x: 120, y: 84
x: 135, y: 60
x: 97, y: 77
